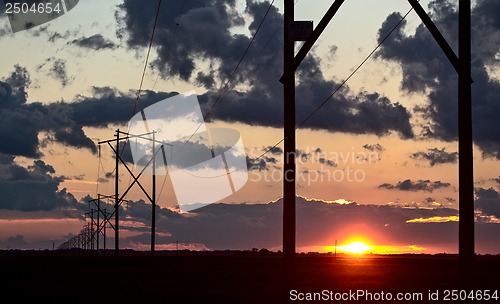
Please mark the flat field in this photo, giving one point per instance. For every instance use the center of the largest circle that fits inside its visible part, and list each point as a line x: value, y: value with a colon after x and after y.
x: 244, y: 277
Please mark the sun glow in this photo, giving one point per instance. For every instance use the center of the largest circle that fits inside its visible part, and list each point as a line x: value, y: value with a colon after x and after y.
x: 354, y: 248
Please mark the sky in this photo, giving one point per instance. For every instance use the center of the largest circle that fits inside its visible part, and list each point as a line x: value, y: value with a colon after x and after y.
x: 377, y: 162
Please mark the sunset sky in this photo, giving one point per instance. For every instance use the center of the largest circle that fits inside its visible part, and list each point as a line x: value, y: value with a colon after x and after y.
x: 377, y: 163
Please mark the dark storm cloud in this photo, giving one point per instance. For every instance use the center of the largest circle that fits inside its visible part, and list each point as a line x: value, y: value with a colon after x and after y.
x: 13, y: 90
x: 95, y: 42
x: 6, y: 159
x: 32, y: 188
x: 21, y: 122
x: 426, y: 70
x: 204, y: 33
x: 141, y: 210
x: 436, y: 156
x: 419, y: 185
x: 107, y: 106
x: 488, y: 201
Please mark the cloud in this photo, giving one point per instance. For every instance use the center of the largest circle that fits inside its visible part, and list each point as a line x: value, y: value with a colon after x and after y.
x: 436, y: 156
x: 268, y: 161
x: 488, y: 201
x: 450, y: 199
x: 257, y: 164
x: 59, y: 72
x: 94, y: 42
x: 16, y: 241
x: 205, y: 34
x: 327, y: 162
x: 426, y: 70
x: 53, y: 36
x: 13, y: 91
x: 419, y: 185
x: 303, y: 156
x: 21, y: 122
x: 434, y: 219
x: 5, y: 30
x: 273, y: 150
x: 108, y: 105
x: 259, y: 104
x: 374, y: 147
x: 33, y: 188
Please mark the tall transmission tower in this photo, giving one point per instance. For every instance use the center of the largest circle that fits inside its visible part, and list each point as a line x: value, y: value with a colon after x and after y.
x: 462, y: 65
x: 120, y: 198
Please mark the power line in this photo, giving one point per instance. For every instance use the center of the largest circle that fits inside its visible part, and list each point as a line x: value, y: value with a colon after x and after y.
x: 224, y: 87
x: 340, y: 86
x: 172, y: 39
x: 263, y: 48
x: 154, y: 85
x: 145, y: 65
x: 355, y: 70
x: 99, y: 164
x: 238, y: 65
x: 143, y: 74
x: 230, y: 78
x: 147, y: 57
x: 258, y: 55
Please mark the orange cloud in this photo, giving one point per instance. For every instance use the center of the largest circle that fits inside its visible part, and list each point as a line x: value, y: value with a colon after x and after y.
x: 435, y: 219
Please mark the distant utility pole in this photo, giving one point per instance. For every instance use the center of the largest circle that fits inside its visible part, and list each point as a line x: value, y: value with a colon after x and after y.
x: 117, y: 197
x: 335, y: 248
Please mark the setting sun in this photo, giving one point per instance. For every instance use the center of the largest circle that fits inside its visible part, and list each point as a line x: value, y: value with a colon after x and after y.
x: 354, y: 247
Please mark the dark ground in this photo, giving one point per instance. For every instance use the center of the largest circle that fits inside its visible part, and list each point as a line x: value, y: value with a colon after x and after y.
x: 229, y: 277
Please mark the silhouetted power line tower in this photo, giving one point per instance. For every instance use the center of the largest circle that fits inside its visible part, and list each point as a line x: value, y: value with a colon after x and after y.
x: 100, y: 218
x: 462, y: 65
x: 88, y: 238
x: 119, y: 199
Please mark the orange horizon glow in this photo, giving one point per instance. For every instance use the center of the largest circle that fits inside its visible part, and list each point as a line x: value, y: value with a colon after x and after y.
x: 361, y: 246
x: 355, y: 247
